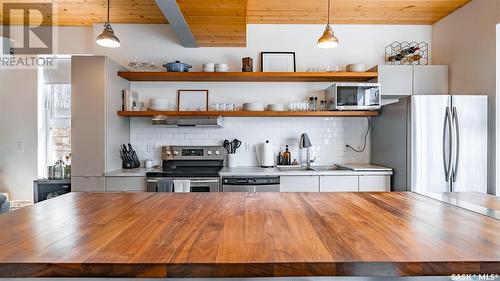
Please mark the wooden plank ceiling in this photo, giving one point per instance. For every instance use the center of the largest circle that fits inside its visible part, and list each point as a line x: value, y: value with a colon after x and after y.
x: 217, y: 23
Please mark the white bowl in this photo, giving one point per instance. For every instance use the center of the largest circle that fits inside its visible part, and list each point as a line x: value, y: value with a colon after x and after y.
x: 253, y: 106
x: 221, y: 67
x: 356, y: 67
x: 276, y: 107
x: 159, y: 107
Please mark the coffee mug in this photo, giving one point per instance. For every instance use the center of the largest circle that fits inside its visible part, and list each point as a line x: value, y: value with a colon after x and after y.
x: 148, y: 163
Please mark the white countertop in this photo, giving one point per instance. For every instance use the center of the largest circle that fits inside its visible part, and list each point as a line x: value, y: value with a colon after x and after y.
x: 137, y: 172
x: 258, y: 171
x: 254, y: 171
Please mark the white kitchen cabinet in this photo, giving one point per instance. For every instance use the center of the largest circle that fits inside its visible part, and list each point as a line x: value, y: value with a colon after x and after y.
x: 299, y: 184
x: 430, y: 80
x: 87, y: 184
x: 128, y: 184
x: 374, y: 183
x: 401, y: 80
x: 338, y: 183
x: 395, y: 80
x: 96, y: 130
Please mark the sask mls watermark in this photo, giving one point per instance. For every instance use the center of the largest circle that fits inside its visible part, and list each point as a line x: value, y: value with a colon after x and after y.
x: 28, y: 31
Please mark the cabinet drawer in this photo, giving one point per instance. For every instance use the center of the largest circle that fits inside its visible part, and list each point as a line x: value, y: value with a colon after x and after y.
x: 117, y: 184
x: 87, y: 184
x: 375, y: 183
x: 338, y: 183
x: 299, y: 184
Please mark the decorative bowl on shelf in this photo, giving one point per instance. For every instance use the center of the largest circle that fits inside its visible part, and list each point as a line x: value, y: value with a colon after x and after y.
x: 253, y: 106
x: 276, y: 107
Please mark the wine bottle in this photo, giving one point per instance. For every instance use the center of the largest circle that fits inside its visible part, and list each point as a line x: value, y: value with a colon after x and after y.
x: 409, y: 51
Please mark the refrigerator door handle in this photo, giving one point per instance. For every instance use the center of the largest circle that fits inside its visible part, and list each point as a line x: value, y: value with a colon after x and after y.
x: 447, y: 161
x: 457, y: 143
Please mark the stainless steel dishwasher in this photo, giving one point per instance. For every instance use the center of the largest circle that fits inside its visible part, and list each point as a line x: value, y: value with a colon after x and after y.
x: 251, y: 184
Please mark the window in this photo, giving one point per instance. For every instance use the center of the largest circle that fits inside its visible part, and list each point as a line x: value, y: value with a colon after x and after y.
x: 54, y: 115
x: 58, y: 120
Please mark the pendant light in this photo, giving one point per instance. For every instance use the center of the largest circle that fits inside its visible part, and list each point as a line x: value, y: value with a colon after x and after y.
x: 328, y: 39
x: 108, y: 38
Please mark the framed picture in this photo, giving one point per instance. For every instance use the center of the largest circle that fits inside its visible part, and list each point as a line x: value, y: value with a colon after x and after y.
x: 192, y: 100
x: 277, y: 62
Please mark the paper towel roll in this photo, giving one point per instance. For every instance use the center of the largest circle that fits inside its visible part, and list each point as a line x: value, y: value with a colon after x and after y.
x: 265, y: 154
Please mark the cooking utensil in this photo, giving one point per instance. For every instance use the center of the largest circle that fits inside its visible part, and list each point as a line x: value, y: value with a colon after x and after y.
x: 227, y: 146
x: 177, y: 66
x: 235, y: 144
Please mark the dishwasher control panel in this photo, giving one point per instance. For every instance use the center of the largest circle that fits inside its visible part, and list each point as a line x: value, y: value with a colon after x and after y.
x: 251, y: 180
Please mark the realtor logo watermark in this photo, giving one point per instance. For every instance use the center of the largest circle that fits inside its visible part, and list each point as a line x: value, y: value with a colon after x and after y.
x: 28, y: 31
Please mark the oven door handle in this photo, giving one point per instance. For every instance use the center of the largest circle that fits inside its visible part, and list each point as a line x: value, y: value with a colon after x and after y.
x: 152, y: 181
x: 204, y: 181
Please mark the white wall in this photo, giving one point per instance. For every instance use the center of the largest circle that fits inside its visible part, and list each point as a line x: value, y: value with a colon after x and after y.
x: 359, y: 43
x: 465, y: 40
x: 18, y: 123
x: 328, y: 136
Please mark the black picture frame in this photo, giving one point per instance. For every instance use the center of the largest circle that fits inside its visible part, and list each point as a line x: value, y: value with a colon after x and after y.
x: 281, y: 53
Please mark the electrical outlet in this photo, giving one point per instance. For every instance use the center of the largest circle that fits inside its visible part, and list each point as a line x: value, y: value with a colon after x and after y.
x: 248, y: 147
x: 151, y: 147
x: 20, y: 146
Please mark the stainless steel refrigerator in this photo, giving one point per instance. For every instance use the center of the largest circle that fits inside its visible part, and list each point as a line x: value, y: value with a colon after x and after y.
x: 434, y: 143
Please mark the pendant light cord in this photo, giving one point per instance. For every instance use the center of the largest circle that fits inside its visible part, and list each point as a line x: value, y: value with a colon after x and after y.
x: 328, y: 12
x: 108, y: 11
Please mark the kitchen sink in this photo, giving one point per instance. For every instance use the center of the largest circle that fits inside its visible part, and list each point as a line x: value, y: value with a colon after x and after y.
x: 294, y: 168
x: 312, y: 168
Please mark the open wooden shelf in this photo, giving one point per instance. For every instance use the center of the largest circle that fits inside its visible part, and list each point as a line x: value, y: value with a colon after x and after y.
x: 250, y: 76
x: 251, y: 113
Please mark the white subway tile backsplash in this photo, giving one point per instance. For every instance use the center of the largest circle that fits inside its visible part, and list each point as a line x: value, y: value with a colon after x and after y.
x: 328, y: 136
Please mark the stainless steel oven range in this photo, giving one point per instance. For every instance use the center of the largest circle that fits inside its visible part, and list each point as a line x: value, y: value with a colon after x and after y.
x: 195, y: 167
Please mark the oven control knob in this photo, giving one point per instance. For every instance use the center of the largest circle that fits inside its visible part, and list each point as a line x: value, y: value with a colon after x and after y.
x: 168, y: 152
x: 217, y: 152
x: 176, y: 152
x: 209, y: 152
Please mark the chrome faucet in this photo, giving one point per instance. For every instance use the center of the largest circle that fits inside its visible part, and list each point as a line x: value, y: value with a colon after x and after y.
x: 306, y: 143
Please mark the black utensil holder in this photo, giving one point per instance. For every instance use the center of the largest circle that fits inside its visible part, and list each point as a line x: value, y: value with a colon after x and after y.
x: 129, y: 165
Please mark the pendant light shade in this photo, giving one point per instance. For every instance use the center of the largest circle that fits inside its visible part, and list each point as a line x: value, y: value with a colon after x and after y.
x: 328, y: 39
x: 108, y: 38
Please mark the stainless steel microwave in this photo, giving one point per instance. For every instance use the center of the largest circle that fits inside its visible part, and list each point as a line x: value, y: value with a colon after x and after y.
x: 353, y: 96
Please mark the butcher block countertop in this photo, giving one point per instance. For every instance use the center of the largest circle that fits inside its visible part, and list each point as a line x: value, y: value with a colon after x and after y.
x: 246, y: 235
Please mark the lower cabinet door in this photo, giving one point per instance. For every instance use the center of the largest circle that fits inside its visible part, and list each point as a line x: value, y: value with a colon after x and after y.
x: 299, y: 184
x: 128, y: 184
x: 338, y: 183
x: 374, y: 183
x: 87, y: 184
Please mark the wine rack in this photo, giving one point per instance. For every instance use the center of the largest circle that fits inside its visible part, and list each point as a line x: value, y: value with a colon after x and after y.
x: 407, y: 53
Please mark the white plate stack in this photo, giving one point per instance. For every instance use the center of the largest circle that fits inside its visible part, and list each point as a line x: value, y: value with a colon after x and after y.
x: 158, y: 104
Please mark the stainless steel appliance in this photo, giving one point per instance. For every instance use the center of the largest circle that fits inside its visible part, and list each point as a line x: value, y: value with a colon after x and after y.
x: 353, y: 96
x: 434, y: 143
x: 197, y: 165
x: 251, y: 184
